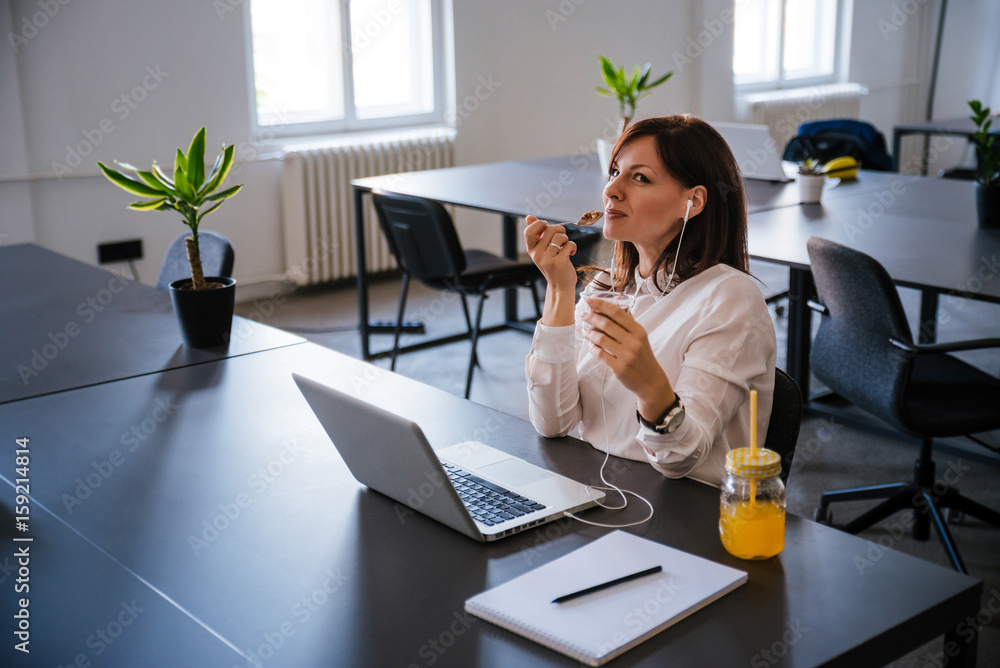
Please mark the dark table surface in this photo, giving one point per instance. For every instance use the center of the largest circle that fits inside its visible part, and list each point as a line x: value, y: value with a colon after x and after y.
x: 68, y: 324
x: 922, y: 230
x: 216, y: 485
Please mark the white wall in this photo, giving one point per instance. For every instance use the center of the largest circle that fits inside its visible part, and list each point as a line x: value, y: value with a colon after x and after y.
x: 187, y: 60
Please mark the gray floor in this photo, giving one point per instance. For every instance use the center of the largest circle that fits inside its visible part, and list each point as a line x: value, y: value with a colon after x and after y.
x: 830, y: 455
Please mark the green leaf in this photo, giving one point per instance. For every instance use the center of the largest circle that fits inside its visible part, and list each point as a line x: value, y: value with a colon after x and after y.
x: 609, y: 72
x: 602, y: 91
x: 225, y: 194
x: 180, y: 163
x: 223, y: 171
x: 163, y: 178
x: 152, y: 205
x: 128, y: 184
x: 184, y: 186
x: 645, y: 75
x: 154, y: 182
x: 660, y: 80
x: 196, y: 160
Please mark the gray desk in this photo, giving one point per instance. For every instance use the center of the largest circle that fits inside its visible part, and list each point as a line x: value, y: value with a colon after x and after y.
x: 67, y: 324
x: 84, y: 607
x: 237, y: 508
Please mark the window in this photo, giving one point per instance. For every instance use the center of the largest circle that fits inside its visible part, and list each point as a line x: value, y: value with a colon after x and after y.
x: 785, y: 43
x: 332, y: 65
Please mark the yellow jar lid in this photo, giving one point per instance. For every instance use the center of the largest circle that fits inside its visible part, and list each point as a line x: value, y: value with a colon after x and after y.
x: 764, y: 464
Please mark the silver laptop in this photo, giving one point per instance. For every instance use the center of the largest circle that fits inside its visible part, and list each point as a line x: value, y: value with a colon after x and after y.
x: 754, y: 151
x: 480, y: 491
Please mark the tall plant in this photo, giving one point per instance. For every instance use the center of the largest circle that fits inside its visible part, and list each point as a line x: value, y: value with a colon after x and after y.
x: 628, y: 88
x: 987, y: 156
x: 190, y: 189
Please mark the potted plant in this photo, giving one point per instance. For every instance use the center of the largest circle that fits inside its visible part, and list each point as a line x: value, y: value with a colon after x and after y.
x: 811, y: 180
x: 987, y: 167
x: 628, y: 89
x: 204, y: 305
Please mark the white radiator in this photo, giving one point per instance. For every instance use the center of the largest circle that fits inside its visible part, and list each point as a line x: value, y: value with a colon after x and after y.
x: 318, y: 203
x: 783, y: 110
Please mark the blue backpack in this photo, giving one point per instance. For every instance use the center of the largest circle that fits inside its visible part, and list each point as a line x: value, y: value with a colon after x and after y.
x: 825, y: 140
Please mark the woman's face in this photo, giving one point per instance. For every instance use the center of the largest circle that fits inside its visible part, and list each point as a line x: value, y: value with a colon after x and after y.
x: 643, y: 204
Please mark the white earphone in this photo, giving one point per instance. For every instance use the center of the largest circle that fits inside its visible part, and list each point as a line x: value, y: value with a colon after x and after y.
x: 687, y: 214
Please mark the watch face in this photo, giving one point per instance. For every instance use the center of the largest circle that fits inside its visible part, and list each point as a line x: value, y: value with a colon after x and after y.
x: 676, y: 421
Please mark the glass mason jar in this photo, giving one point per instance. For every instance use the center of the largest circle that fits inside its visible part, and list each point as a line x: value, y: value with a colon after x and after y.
x: 752, y: 507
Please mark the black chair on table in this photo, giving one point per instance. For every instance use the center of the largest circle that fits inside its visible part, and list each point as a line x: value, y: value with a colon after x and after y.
x: 786, y: 418
x: 422, y: 237
x: 217, y: 258
x: 864, y: 352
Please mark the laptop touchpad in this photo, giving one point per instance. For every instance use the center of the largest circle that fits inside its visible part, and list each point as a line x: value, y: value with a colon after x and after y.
x: 514, y: 473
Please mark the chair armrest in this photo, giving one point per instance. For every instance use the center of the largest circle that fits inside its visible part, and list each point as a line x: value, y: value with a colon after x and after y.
x: 950, y: 347
x: 816, y: 306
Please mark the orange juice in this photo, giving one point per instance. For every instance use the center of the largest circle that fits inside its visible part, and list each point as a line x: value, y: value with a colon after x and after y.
x: 752, y: 530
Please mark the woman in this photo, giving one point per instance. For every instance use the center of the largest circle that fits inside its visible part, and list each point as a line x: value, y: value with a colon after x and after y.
x: 669, y: 381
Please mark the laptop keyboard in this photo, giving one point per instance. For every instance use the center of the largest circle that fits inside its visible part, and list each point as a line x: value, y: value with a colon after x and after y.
x: 489, y: 503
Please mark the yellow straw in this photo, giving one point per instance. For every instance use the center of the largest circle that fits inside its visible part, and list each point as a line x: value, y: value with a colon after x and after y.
x: 753, y: 443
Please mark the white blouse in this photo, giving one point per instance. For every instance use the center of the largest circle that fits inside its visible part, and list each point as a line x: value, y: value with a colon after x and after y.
x: 714, y: 338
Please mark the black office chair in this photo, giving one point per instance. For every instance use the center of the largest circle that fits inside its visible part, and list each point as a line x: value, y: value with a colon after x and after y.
x: 864, y: 352
x: 422, y: 237
x: 786, y: 418
x: 217, y: 258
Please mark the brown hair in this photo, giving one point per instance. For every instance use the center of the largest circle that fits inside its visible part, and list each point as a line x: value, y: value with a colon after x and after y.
x: 694, y: 153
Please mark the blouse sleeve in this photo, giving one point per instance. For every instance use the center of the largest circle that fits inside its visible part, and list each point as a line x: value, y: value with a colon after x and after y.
x: 724, y: 356
x: 550, y: 368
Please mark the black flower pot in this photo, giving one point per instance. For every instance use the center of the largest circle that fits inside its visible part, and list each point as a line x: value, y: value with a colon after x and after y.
x: 205, y: 316
x: 988, y: 206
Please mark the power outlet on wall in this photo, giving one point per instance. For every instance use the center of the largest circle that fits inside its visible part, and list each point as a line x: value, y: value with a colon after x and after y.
x: 119, y: 251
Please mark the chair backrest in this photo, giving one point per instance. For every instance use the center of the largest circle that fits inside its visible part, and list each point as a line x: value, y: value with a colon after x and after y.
x: 851, y: 353
x: 828, y: 139
x: 786, y: 418
x: 421, y: 236
x: 217, y: 258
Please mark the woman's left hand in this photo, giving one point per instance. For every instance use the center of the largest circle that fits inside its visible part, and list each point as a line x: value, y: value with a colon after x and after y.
x: 620, y: 342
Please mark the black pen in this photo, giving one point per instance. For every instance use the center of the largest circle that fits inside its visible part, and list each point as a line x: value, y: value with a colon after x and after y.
x: 605, y: 585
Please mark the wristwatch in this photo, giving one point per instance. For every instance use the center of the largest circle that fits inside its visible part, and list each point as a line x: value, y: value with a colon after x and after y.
x: 671, y: 421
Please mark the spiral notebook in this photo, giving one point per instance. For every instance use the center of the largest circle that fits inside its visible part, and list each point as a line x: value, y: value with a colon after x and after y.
x: 597, y: 627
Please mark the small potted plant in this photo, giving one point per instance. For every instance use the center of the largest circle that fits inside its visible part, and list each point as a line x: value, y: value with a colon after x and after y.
x: 204, y: 305
x: 987, y: 167
x: 811, y: 180
x: 628, y: 89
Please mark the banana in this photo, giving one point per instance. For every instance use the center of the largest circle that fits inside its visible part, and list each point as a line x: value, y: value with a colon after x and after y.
x: 844, y: 167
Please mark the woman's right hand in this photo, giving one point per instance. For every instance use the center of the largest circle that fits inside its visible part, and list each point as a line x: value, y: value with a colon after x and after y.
x: 550, y: 249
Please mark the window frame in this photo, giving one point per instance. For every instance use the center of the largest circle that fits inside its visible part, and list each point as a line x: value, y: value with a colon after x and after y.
x: 350, y: 122
x: 840, y: 49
